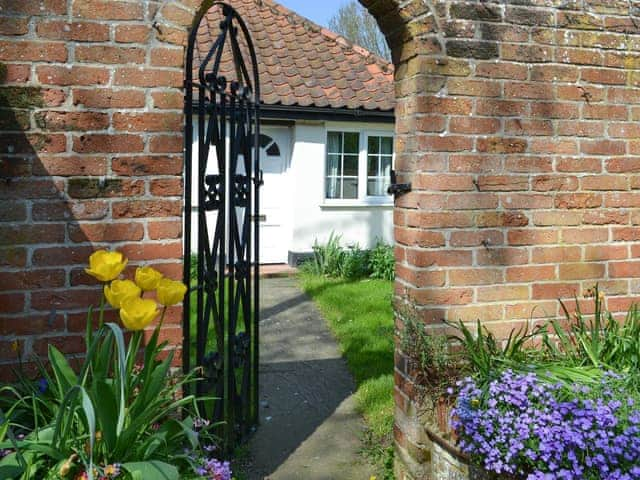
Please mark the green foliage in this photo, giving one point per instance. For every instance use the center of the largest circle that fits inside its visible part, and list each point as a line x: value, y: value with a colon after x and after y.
x: 577, y: 350
x: 327, y: 258
x: 485, y: 355
x: 382, y: 262
x: 429, y: 351
x: 144, y: 422
x: 587, y: 344
x: 353, y: 263
x: 360, y: 315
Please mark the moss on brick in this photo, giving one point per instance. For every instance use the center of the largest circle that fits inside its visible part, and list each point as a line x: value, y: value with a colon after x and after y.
x: 83, y: 187
x: 14, y: 120
x: 21, y: 97
x: 472, y: 49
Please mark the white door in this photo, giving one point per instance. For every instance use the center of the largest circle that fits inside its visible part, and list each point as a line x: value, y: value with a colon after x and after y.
x: 274, y: 194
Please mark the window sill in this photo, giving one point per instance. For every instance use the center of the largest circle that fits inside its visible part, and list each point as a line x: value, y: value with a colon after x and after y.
x: 382, y: 203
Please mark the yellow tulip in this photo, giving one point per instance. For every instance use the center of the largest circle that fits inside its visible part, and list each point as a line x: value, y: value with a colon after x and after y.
x: 171, y: 292
x: 118, y: 290
x: 147, y: 278
x: 136, y: 313
x: 105, y: 265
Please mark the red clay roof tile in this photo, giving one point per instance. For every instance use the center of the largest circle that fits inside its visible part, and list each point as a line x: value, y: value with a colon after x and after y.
x: 303, y: 64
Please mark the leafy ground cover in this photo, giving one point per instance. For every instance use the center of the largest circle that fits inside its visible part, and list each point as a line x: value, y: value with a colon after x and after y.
x: 360, y: 316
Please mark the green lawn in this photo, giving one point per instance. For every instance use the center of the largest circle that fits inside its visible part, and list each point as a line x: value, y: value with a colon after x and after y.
x: 360, y: 316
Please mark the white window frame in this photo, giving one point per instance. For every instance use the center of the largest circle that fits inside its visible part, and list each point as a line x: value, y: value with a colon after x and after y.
x: 363, y: 199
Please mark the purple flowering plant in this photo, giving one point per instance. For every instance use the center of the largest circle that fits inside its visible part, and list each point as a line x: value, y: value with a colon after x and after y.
x: 524, y: 427
x: 568, y: 409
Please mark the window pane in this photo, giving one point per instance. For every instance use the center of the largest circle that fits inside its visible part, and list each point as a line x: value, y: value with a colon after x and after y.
x: 351, y: 143
x: 333, y: 165
x: 350, y: 188
x: 376, y: 187
x: 372, y: 166
x: 387, y: 145
x: 333, y: 188
x: 386, y: 167
x: 334, y: 142
x: 372, y: 145
x: 351, y: 165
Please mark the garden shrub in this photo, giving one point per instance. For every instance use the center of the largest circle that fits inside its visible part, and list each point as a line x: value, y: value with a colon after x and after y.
x: 353, y: 263
x: 327, y: 258
x: 382, y: 262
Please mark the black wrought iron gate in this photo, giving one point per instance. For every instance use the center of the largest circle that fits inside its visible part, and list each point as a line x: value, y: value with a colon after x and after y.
x: 222, y: 178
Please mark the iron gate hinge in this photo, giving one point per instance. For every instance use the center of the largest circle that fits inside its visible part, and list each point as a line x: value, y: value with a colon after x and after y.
x: 397, y: 189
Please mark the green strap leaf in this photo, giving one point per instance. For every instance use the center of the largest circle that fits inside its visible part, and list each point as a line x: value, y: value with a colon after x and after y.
x: 122, y: 368
x: 65, y: 376
x: 152, y: 469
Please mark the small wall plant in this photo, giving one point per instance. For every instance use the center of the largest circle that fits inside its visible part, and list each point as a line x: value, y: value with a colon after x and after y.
x: 122, y: 413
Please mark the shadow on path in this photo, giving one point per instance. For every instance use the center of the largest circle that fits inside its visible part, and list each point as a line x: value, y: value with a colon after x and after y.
x: 309, y: 428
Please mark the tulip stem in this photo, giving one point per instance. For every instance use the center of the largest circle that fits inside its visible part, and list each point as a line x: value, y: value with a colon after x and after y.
x: 164, y: 310
x: 101, y: 315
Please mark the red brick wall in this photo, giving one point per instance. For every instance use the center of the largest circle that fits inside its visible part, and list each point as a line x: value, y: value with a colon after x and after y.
x: 517, y: 125
x: 90, y: 157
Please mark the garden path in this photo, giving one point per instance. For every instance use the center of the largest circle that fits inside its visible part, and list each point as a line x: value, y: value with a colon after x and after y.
x: 308, y: 425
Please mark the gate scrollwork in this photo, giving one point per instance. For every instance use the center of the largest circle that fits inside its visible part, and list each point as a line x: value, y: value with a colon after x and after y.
x: 222, y: 178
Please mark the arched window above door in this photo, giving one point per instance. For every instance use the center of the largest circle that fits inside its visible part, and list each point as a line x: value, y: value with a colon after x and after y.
x: 269, y: 145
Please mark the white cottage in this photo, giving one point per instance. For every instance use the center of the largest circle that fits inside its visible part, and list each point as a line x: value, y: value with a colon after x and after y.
x: 327, y: 134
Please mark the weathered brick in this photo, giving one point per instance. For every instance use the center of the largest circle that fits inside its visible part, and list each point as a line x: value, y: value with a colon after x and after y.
x: 56, y: 121
x: 167, y: 57
x: 37, y: 7
x: 166, y: 187
x: 169, y: 99
x: 164, y: 230
x: 22, y: 51
x: 83, y: 187
x: 51, y: 211
x: 14, y: 26
x: 109, y: 54
x: 108, y: 10
x: 147, y: 208
x: 147, y: 165
x: 67, y: 166
x: 72, y: 75
x: 106, y: 232
x: 132, y: 33
x: 147, y: 122
x: 108, y: 98
x: 97, y: 142
x: 76, y: 31
x: 147, y: 77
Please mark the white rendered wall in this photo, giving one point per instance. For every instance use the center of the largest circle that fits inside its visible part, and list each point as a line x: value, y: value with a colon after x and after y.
x: 309, y: 216
x: 313, y: 216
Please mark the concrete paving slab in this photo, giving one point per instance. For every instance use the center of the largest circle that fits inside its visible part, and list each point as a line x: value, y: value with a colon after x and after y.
x: 309, y: 428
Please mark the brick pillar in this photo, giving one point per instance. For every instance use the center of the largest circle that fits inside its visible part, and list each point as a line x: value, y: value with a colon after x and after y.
x: 90, y: 157
x: 517, y: 126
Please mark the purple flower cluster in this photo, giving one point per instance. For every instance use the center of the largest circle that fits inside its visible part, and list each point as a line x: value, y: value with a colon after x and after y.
x: 213, y: 469
x: 524, y: 427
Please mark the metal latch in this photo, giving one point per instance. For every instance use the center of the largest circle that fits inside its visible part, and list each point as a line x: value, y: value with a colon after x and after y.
x: 397, y: 189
